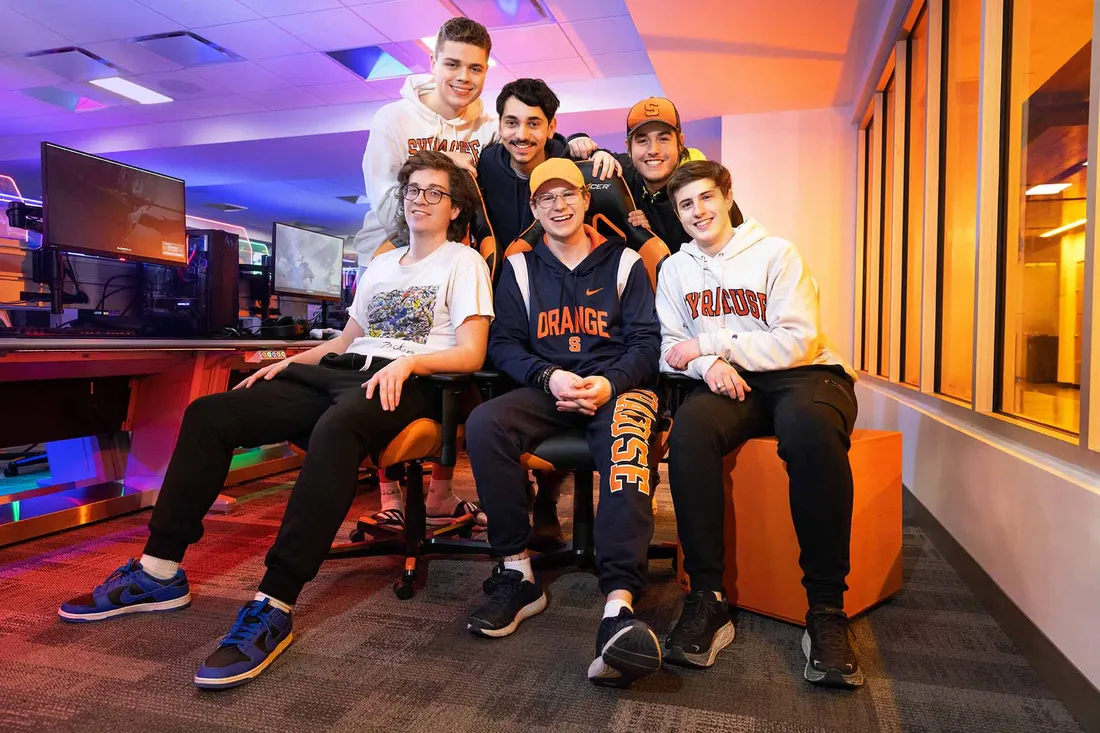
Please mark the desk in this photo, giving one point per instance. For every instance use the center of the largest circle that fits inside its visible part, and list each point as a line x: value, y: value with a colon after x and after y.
x: 144, y: 387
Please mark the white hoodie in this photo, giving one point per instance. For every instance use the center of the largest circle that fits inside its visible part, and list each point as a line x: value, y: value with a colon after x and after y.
x: 400, y: 129
x: 753, y: 304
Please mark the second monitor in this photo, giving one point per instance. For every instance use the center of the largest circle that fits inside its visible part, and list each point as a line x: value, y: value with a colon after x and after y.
x: 307, y: 264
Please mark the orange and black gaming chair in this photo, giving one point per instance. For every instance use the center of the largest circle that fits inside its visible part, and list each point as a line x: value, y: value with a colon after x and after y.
x: 568, y: 451
x: 432, y: 439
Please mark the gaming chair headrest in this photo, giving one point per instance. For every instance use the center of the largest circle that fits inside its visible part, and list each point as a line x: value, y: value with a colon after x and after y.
x: 607, y: 214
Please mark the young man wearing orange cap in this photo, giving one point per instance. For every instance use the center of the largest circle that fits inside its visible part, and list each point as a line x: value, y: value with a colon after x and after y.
x: 654, y: 150
x: 576, y: 327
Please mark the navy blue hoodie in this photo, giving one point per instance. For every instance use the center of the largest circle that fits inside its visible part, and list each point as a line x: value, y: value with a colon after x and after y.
x: 506, y: 195
x: 577, y: 319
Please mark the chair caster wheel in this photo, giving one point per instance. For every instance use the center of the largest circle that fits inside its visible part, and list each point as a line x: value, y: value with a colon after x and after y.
x: 403, y: 590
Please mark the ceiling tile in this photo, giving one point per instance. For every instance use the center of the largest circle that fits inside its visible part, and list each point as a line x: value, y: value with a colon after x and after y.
x: 131, y: 57
x: 531, y: 43
x: 565, y: 11
x: 391, y: 88
x: 19, y: 34
x: 196, y: 13
x: 308, y: 69
x: 179, y: 84
x: 18, y: 104
x: 243, y: 76
x: 620, y: 64
x: 254, y: 39
x: 347, y: 93
x: 405, y: 20
x: 290, y: 98
x: 606, y: 35
x: 87, y: 22
x: 19, y: 73
x: 331, y: 30
x: 234, y: 104
x: 570, y: 69
x: 275, y: 8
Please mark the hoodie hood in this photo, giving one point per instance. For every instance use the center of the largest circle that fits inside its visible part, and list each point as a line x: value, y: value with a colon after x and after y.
x: 744, y: 237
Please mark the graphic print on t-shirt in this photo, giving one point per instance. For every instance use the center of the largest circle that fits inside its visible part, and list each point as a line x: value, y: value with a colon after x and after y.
x: 406, y: 314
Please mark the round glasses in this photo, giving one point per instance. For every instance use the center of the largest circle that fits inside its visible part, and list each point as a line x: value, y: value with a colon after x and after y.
x: 546, y: 201
x: 431, y: 195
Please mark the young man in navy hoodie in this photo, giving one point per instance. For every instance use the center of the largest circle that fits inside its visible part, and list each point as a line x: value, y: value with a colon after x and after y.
x: 527, y: 137
x: 576, y: 326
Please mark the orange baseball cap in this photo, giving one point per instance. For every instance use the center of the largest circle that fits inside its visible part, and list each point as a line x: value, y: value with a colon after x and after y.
x: 556, y: 168
x: 652, y: 109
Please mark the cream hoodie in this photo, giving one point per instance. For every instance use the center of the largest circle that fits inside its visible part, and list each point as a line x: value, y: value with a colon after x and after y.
x: 400, y: 129
x: 753, y: 304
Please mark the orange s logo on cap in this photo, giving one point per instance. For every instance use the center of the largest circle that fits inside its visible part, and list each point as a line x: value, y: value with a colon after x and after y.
x: 652, y: 109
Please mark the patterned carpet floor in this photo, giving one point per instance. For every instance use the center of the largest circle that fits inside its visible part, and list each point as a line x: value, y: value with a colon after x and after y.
x: 363, y: 660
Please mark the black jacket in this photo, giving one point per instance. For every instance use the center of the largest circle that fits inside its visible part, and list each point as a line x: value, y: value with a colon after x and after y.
x: 507, y: 196
x: 658, y: 208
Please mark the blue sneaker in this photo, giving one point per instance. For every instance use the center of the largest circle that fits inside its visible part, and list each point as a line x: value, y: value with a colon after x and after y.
x: 260, y: 633
x: 129, y: 589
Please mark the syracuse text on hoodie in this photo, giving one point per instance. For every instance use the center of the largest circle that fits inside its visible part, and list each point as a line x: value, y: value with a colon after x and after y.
x: 399, y: 130
x: 595, y: 320
x: 754, y: 304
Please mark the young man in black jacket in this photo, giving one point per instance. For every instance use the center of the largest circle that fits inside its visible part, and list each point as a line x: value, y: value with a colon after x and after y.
x: 576, y: 327
x: 654, y: 150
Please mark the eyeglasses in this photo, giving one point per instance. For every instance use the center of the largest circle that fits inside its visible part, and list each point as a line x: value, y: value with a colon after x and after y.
x: 546, y: 201
x: 431, y: 195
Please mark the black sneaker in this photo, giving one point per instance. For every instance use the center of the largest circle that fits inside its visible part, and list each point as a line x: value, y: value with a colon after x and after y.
x: 703, y: 629
x: 626, y: 650
x: 513, y: 599
x: 830, y: 660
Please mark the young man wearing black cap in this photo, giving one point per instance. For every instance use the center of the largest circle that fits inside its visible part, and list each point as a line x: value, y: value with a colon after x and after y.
x: 654, y: 150
x: 576, y: 326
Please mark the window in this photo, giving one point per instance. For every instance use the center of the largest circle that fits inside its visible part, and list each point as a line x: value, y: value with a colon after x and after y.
x: 913, y: 241
x: 1043, y: 244
x: 959, y: 199
x: 885, y: 260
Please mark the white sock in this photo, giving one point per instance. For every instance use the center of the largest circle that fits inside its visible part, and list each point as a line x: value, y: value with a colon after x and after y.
x: 524, y: 566
x: 441, y: 498
x: 611, y: 608
x: 392, y: 496
x: 159, y: 568
x: 284, y: 607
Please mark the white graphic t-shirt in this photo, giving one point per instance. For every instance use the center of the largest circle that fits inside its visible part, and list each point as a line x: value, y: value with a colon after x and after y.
x: 414, y: 309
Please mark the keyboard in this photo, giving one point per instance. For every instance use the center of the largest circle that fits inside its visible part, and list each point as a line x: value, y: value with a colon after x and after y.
x: 64, y: 332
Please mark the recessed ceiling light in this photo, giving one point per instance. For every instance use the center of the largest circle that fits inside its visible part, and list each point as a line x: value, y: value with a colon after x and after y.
x: 370, y: 62
x: 65, y: 100
x: 130, y: 90
x: 186, y: 48
x: 1046, y: 189
x: 74, y: 64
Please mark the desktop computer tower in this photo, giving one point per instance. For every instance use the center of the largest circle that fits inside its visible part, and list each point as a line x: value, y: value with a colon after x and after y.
x: 201, y: 299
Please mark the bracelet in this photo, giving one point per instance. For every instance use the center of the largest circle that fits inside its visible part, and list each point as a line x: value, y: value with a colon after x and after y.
x: 544, y: 377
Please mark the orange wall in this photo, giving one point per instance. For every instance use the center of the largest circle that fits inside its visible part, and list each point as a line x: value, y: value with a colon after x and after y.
x: 795, y: 173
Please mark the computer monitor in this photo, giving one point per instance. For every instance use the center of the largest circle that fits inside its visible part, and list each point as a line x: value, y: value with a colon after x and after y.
x: 99, y: 207
x: 307, y: 264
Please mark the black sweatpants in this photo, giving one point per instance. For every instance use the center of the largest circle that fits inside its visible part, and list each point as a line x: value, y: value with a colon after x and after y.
x: 323, y: 405
x: 501, y: 430
x: 812, y: 411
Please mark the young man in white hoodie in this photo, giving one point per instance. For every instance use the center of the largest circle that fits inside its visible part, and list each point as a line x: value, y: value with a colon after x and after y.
x: 739, y: 312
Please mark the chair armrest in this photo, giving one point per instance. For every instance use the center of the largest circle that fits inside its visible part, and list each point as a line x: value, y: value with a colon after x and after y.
x: 677, y: 387
x: 492, y: 383
x: 449, y: 380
